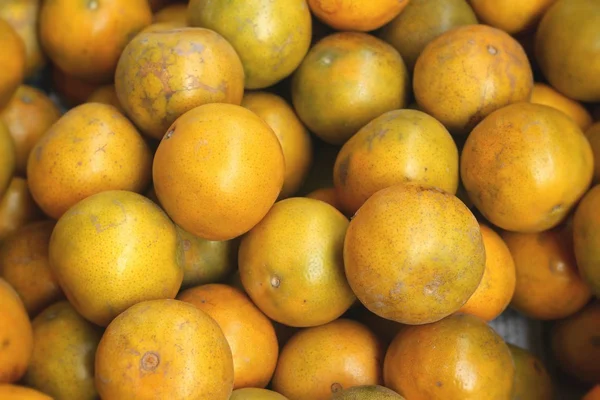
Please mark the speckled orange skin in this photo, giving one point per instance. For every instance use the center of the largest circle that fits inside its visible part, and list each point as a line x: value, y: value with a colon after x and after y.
x: 586, y: 235
x: 14, y: 392
x: 327, y: 195
x: 164, y: 349
x: 459, y: 357
x: 12, y: 61
x: 106, y: 94
x: 544, y: 94
x: 7, y: 158
x: 465, y: 74
x: 172, y: 13
x: 270, y: 36
x: 319, y: 361
x: 356, y: 15
x: 73, y: 91
x: 512, y: 16
x: 593, y: 136
x: 248, y: 331
x: 237, y: 181
x: 256, y: 394
x: 414, y: 254
x: 532, y: 380
x: 64, y: 347
x: 525, y: 166
x: 164, y: 73
x: 345, y: 81
x: 24, y: 264
x: 92, y: 148
x: 28, y: 115
x: 103, y: 29
x: 291, y: 263
x: 15, y: 335
x: 112, y: 250
x: 17, y: 207
x: 575, y: 344
x: 396, y: 147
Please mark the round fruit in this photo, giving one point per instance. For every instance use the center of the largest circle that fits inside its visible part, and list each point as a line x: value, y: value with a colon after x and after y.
x: 593, y: 135
x: 466, y: 73
x: 586, y: 234
x: 327, y: 195
x: 64, y: 347
x: 172, y: 13
x: 544, y: 94
x: 567, y: 47
x: 163, y: 26
x: 92, y: 148
x: 291, y: 263
x: 249, y: 333
x: 414, y: 254
x: 255, y: 394
x: 17, y: 207
x: 294, y: 138
x: 525, y: 166
x: 512, y: 16
x: 86, y: 38
x: 421, y: 22
x: 162, y: 74
x: 459, y: 357
x: 112, y: 250
x: 106, y: 94
x: 322, y: 360
x: 14, y: 392
x: 7, y: 158
x: 12, y: 61
x: 367, y: 392
x: 399, y: 146
x: 73, y: 91
x: 356, y: 15
x: 218, y: 170
x: 345, y: 81
x: 164, y: 349
x: 532, y: 380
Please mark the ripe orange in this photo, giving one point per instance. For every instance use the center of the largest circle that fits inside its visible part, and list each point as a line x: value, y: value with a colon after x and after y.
x: 356, y: 15
x: 512, y: 16
x: 12, y: 61
x: 547, y: 95
x: 14, y: 392
x: 105, y: 94
x: 17, y: 207
x: 172, y: 13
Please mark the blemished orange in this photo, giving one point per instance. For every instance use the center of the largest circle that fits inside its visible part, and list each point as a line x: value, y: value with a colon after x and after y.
x: 16, y: 335
x: 525, y: 166
x: 166, y: 349
x: 291, y: 263
x: 327, y: 195
x: 71, y: 90
x: 459, y: 357
x: 237, y: 181
x: 249, y: 333
x: 106, y: 94
x: 468, y: 72
x: 414, y: 254
x: 586, y: 237
x: 593, y: 136
x: 356, y: 15
x: 28, y: 115
x: 497, y: 286
x: 16, y: 392
x: 294, y: 138
x: 12, y: 61
x: 172, y: 13
x: 512, y: 16
x: 317, y: 362
x: 398, y: 146
x: 90, y: 149
x: 7, y: 158
x: 545, y: 94
x: 548, y: 283
x: 532, y: 380
x: 17, y: 207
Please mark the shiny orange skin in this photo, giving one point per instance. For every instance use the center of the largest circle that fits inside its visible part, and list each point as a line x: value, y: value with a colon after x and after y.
x: 532, y: 380
x: 164, y: 349
x: 16, y: 335
x: 586, y: 237
x: 328, y: 195
x: 12, y: 61
x: 17, y: 207
x: 7, y: 158
x: 525, y: 166
x: 24, y: 264
x: 497, y: 286
x: 548, y: 283
x: 14, y: 392
x: 322, y: 360
x: 73, y: 91
x: 468, y: 72
x: 238, y: 180
x: 92, y: 148
x: 512, y: 16
x: 248, y: 331
x: 459, y: 357
x: 356, y: 15
x: 545, y: 94
x: 346, y: 80
x: 172, y: 13
x: 592, y: 394
x: 593, y: 136
x: 28, y: 116
x: 103, y: 29
x: 106, y: 94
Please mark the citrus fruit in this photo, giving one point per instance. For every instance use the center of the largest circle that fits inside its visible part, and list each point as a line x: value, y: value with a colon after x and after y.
x: 512, y: 16
x: 17, y: 207
x: 367, y: 392
x: 327, y: 195
x: 532, y: 380
x: 593, y: 135
x: 586, y: 234
x: 356, y: 15
x: 14, y: 392
x: 12, y: 61
x: 106, y: 94
x: 545, y: 94
x: 7, y: 158
x: 255, y: 394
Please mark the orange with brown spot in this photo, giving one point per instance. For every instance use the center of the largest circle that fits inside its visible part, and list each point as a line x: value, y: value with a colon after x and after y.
x: 17, y: 207
x: 356, y: 15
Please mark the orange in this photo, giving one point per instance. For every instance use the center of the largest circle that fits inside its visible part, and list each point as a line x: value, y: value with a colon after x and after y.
x: 12, y: 61
x: 255, y: 394
x: 548, y: 283
x: 17, y: 207
x: 28, y: 116
x: 532, y: 380
x: 356, y: 15
x: 544, y: 94
x: 106, y: 94
x: 112, y: 250
x: 237, y: 181
x: 7, y: 158
x: 291, y: 263
x: 72, y: 91
x: 414, y: 254
x: 92, y: 148
x: 497, y: 286
x: 345, y: 81
x: 172, y: 13
x: 525, y: 166
x: 24, y: 264
x: 164, y: 73
x: 512, y: 16
x: 459, y: 357
x: 14, y: 392
x: 322, y: 360
x: 294, y: 138
x: 86, y: 38
x: 16, y: 337
x: 586, y: 234
x: 327, y: 195
x: 163, y: 26
x: 468, y: 72
x: 248, y: 331
x: 64, y: 346
x: 593, y: 135
x: 367, y: 392
x: 165, y: 349
x: 398, y: 146
x: 592, y: 394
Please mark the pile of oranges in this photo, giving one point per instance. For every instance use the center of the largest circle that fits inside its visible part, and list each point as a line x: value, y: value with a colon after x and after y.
x: 297, y: 199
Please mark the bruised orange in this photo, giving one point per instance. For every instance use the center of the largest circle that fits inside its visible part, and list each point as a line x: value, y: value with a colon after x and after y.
x: 12, y: 61
x: 17, y: 207
x: 512, y: 16
x: 545, y: 94
x: 356, y: 15
x: 586, y: 236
